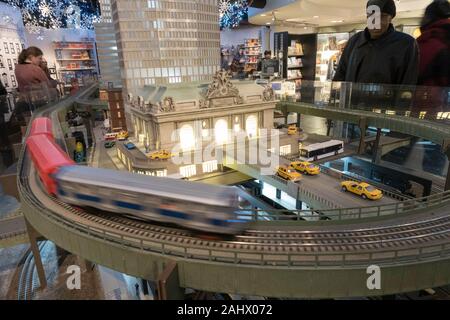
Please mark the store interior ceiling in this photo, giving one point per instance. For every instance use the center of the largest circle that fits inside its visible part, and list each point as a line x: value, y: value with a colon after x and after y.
x: 325, y: 13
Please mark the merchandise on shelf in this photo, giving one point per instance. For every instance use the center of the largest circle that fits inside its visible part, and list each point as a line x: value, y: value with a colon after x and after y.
x: 295, y: 62
x: 329, y: 50
x: 76, y: 60
x: 294, y: 74
x: 252, y: 53
x: 295, y: 49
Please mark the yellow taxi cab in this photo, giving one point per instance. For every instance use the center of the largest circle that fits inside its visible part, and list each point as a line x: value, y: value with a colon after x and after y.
x: 364, y: 190
x: 122, y: 135
x: 292, y: 130
x: 160, y: 155
x: 306, y: 167
x: 289, y: 173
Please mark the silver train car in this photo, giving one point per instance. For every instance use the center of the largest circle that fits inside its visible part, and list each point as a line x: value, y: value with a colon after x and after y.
x: 197, y: 206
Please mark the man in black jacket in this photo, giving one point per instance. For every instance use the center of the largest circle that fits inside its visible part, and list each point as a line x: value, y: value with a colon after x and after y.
x: 380, y: 54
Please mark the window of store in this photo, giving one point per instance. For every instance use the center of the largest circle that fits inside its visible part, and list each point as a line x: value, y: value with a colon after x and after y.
x: 188, y: 171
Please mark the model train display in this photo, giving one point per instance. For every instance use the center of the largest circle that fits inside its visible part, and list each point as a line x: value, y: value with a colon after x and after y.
x: 196, y: 206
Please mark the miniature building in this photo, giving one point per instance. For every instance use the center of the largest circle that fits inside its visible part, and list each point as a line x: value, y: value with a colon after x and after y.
x: 165, y: 41
x: 116, y: 109
x: 195, y: 110
x: 107, y: 52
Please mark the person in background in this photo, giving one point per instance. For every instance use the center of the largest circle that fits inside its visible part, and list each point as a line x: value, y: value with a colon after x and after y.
x: 334, y: 60
x: 434, y: 45
x: 3, y: 110
x: 75, y: 86
x: 383, y: 56
x: 267, y: 56
x: 28, y: 71
x: 224, y: 65
x: 44, y: 67
x: 431, y: 95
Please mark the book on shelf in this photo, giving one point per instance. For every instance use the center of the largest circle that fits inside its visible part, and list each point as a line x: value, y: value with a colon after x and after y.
x: 295, y: 62
x: 296, y: 48
x: 294, y: 74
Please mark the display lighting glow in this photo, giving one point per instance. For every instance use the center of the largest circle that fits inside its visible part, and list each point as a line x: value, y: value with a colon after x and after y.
x: 232, y: 12
x: 54, y: 14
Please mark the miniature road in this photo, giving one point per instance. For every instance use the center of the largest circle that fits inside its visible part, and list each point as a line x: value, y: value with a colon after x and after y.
x: 330, y: 189
x: 10, y: 226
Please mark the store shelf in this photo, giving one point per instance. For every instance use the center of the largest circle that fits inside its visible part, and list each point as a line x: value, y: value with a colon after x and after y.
x: 74, y: 49
x: 75, y: 59
x: 298, y: 78
x: 76, y: 69
x: 253, y: 47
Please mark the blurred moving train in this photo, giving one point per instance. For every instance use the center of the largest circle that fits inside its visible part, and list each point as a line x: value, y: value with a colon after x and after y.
x: 205, y: 208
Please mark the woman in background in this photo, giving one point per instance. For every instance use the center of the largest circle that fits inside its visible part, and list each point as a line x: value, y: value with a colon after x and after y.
x: 434, y: 68
x: 28, y: 71
x: 434, y: 45
x: 44, y: 67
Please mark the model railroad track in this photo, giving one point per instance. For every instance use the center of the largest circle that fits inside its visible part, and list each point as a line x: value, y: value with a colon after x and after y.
x: 410, y: 234
x: 282, y: 241
x: 27, y: 279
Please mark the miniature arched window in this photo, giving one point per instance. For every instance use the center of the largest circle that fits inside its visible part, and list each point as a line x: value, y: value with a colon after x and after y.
x: 251, y: 126
x: 187, y: 138
x: 221, y: 131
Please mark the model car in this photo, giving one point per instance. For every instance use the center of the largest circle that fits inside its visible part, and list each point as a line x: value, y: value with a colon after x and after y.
x: 122, y: 135
x: 130, y: 146
x: 110, y: 144
x: 160, y: 155
x: 289, y: 173
x: 364, y: 190
x: 110, y: 136
x: 292, y: 130
x: 306, y: 167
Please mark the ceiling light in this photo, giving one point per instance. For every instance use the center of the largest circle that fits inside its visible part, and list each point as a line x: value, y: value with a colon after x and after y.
x: 264, y: 15
x: 337, y: 21
x: 316, y: 17
x: 267, y: 22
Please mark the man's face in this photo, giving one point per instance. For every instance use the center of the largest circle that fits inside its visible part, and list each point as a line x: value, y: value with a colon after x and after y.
x: 268, y: 56
x: 385, y: 21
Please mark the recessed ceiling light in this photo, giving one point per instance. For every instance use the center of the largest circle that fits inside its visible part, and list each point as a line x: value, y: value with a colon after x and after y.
x: 337, y: 21
x: 316, y: 17
x: 264, y: 15
x: 267, y: 22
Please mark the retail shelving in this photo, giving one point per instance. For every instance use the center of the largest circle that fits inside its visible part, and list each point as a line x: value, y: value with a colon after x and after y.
x: 76, y: 60
x: 297, y: 54
x: 252, y: 53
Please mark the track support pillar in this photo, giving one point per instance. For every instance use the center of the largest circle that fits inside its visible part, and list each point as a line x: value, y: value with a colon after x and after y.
x: 362, y: 140
x: 168, y: 283
x: 33, y: 236
x: 376, y: 152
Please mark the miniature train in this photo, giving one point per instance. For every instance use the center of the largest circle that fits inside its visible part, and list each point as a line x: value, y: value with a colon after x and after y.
x: 195, y: 206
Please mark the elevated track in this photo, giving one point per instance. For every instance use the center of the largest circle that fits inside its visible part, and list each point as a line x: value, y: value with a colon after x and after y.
x: 284, y: 258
